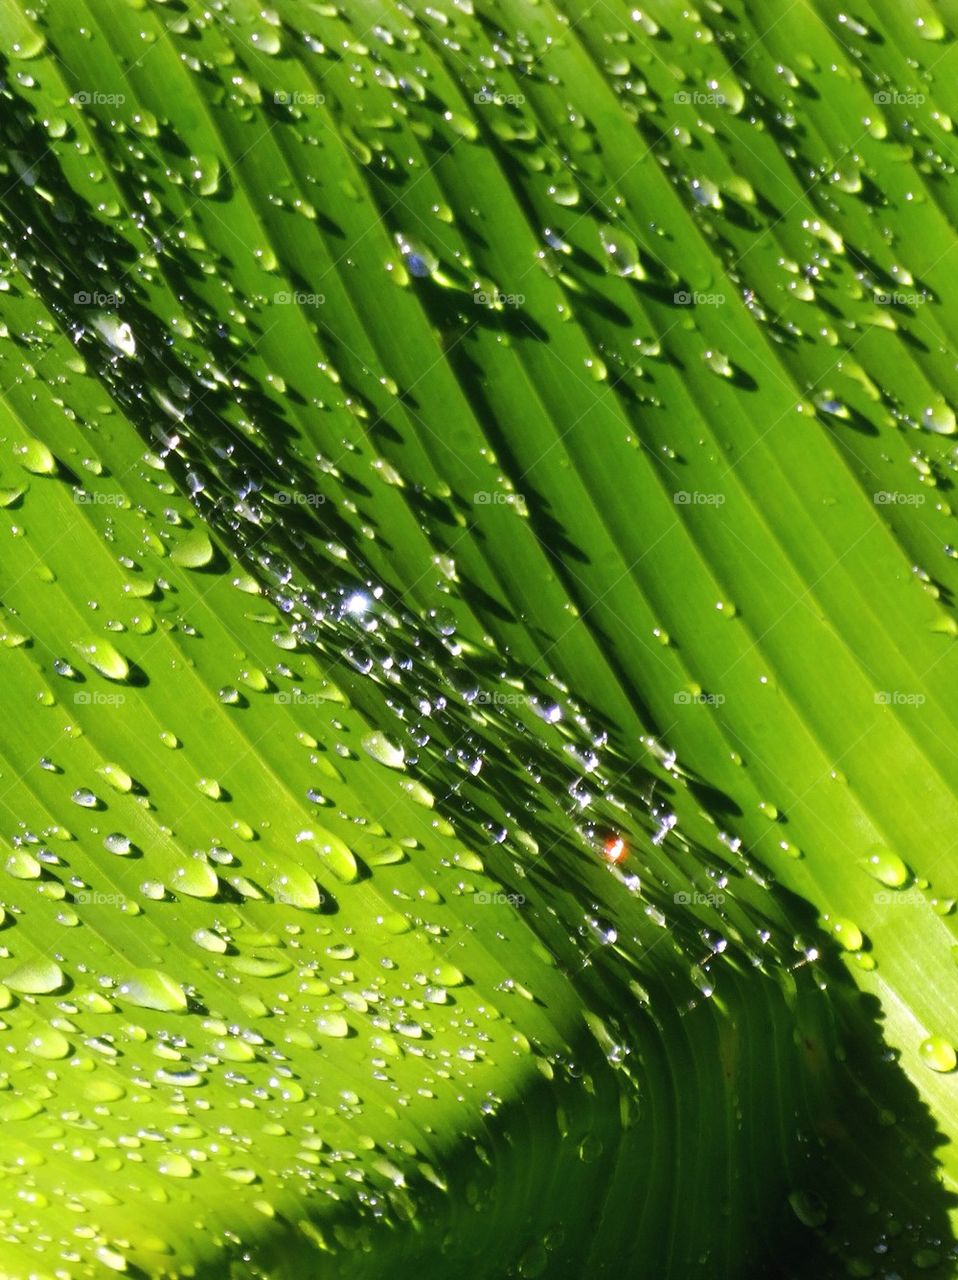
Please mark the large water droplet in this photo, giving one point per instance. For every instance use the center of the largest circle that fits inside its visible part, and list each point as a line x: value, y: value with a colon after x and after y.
x: 194, y: 552
x: 153, y: 989
x: 886, y: 867
x: 382, y: 749
x: 938, y: 1053
x: 104, y: 657
x: 36, y: 977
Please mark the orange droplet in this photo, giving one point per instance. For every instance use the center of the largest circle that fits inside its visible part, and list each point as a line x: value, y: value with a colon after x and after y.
x: 614, y: 849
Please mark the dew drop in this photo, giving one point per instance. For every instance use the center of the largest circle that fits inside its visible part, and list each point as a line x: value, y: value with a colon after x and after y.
x: 153, y: 989
x: 938, y: 1054
x: 37, y: 977
x: 196, y: 879
x: 104, y: 657
x: 194, y: 552
x: 886, y: 867
x: 382, y: 749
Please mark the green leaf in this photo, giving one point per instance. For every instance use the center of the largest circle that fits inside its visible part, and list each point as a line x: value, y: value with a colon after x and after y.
x: 478, y: 627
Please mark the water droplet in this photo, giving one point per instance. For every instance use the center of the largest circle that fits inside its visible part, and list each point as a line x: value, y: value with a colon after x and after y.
x: 196, y: 879
x: 23, y: 865
x: 622, y: 253
x: 117, y: 335
x: 809, y: 1208
x: 565, y: 194
x: 930, y: 27
x: 48, y: 1042
x: 104, y: 657
x: 117, y: 777
x: 36, y: 977
x: 153, y: 989
x: 718, y: 362
x: 338, y: 857
x: 210, y: 941
x: 195, y: 551
x: 706, y: 193
x: 332, y: 1024
x: 418, y: 259
x: 845, y: 932
x: 296, y: 888
x: 34, y: 456
x: 110, y: 1259
x: 886, y: 867
x: 205, y: 174
x: 939, y: 418
x: 382, y: 749
x: 590, y: 1148
x: 938, y: 1053
x: 176, y: 1166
